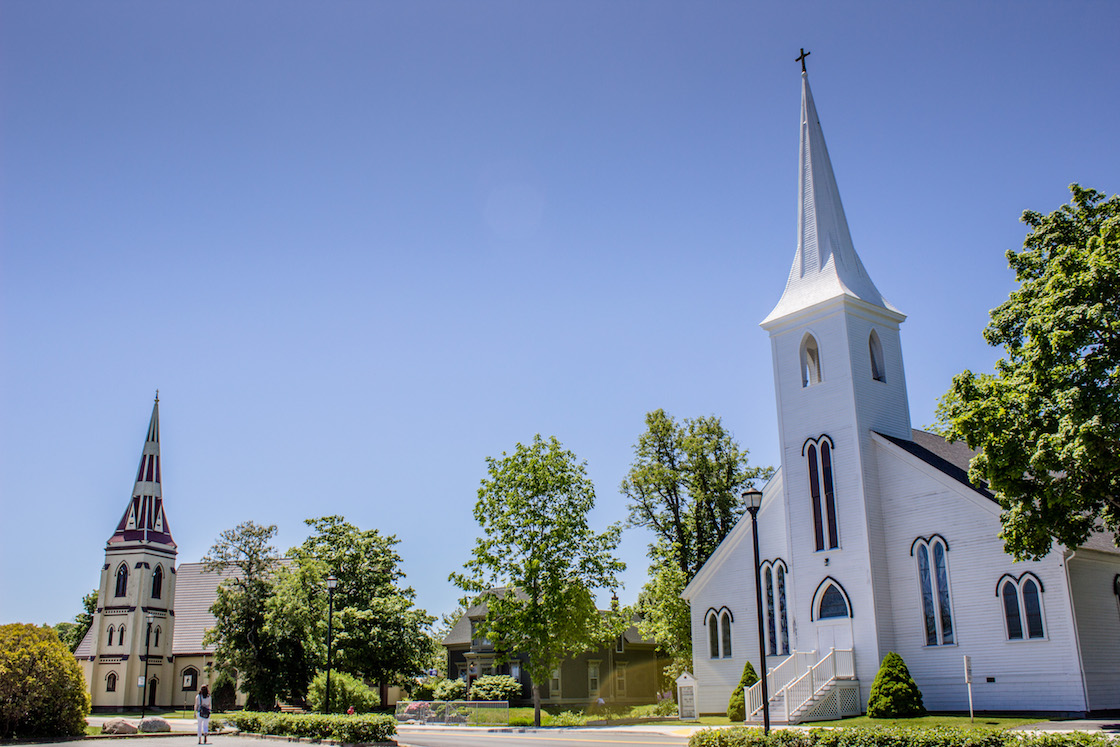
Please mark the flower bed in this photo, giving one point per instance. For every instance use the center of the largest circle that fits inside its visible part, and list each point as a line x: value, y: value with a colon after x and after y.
x: 894, y: 737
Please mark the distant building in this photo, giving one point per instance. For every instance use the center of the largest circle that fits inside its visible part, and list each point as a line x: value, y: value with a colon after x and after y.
x: 872, y: 537
x: 627, y: 672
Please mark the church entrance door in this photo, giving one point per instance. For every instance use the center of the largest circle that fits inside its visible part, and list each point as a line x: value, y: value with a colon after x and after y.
x: 833, y: 634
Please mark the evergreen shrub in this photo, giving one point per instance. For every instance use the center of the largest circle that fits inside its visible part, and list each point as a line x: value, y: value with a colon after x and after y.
x: 42, y: 691
x: 495, y: 687
x: 224, y: 692
x: 346, y: 690
x: 894, y: 694
x: 736, y: 706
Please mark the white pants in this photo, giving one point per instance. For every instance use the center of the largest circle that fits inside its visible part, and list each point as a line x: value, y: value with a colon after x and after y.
x: 203, y: 727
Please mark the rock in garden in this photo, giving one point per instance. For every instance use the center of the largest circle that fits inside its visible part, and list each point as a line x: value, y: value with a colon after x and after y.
x: 117, y: 726
x: 152, y: 724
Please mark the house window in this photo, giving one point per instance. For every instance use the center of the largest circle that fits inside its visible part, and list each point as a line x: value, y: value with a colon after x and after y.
x: 810, y: 361
x: 933, y: 585
x: 619, y: 679
x: 157, y: 582
x: 713, y: 635
x: 821, y: 492
x: 592, y: 678
x: 190, y: 679
x: 875, y: 349
x: 111, y: 682
x: 122, y: 580
x: 554, y: 684
x: 515, y: 670
x: 619, y: 644
x: 1022, y: 606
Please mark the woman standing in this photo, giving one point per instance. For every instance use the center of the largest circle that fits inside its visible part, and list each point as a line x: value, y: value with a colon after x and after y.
x: 202, y: 705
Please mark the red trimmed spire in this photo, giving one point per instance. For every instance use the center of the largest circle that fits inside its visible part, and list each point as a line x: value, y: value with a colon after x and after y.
x: 144, y: 519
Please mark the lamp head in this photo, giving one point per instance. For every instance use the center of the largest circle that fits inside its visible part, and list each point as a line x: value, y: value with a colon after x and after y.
x: 753, y: 499
x: 332, y: 582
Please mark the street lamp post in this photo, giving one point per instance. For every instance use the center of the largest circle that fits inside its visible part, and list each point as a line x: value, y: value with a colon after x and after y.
x: 331, y: 583
x: 147, y: 650
x: 753, y: 499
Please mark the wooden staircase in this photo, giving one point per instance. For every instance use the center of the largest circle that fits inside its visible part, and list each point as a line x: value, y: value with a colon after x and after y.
x: 803, y: 688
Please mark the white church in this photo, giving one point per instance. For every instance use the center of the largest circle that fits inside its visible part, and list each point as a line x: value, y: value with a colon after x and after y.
x: 872, y: 539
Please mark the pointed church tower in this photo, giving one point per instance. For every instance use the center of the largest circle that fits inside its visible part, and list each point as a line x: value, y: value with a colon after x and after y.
x: 838, y: 377
x: 134, y: 625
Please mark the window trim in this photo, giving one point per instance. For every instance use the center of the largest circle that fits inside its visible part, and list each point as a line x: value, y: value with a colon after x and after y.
x: 620, y: 678
x: 822, y: 491
x: 1018, y: 584
x: 809, y: 356
x: 875, y: 352
x: 594, y: 684
x: 818, y: 597
x: 157, y: 582
x: 111, y: 682
x: 121, y: 589
x: 941, y: 599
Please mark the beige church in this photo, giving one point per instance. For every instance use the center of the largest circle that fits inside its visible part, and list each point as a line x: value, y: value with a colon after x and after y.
x: 145, y: 643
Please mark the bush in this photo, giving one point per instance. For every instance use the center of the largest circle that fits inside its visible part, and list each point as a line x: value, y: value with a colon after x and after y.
x: 894, y: 694
x: 224, y: 692
x: 426, y: 690
x: 346, y: 729
x: 346, y: 690
x: 495, y: 687
x: 737, y: 706
x: 567, y: 718
x: 451, y: 690
x: 892, y: 737
x: 42, y: 691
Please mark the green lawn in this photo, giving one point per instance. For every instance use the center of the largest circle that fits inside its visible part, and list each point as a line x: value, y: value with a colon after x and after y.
x: 920, y: 722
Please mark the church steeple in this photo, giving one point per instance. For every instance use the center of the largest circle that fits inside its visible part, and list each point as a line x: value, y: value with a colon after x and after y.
x: 826, y: 265
x: 144, y: 520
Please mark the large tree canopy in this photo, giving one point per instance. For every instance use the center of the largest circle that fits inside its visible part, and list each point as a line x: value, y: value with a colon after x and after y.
x: 1047, y: 422
x: 72, y: 633
x: 539, y: 549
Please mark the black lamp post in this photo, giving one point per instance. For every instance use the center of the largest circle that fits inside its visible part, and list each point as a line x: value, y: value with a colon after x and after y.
x: 147, y: 649
x: 753, y: 499
x: 331, y: 583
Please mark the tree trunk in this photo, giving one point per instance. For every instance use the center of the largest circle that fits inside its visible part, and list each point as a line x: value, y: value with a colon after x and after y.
x: 536, y: 705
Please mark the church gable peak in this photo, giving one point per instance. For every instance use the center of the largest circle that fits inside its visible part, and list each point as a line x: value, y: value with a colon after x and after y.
x: 144, y: 519
x: 826, y: 265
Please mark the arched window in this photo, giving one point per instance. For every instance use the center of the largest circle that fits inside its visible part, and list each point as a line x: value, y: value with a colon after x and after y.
x: 821, y: 491
x: 833, y: 604
x: 111, y: 682
x: 122, y: 580
x: 157, y: 582
x: 156, y: 641
x: 120, y: 636
x: 725, y: 623
x: 190, y: 679
x: 110, y: 635
x: 933, y: 586
x: 771, y: 622
x: 713, y: 635
x: 875, y: 349
x: 810, y: 361
x: 1022, y: 606
x: 783, y: 618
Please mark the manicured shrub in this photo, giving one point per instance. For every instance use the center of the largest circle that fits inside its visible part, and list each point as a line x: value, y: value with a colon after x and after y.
x: 894, y: 694
x: 426, y: 690
x: 736, y: 706
x: 495, y: 687
x: 224, y: 692
x: 893, y: 737
x: 42, y: 691
x: 451, y: 690
x: 347, y: 729
x: 346, y: 690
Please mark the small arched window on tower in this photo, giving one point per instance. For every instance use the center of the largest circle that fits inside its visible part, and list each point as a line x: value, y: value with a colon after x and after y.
x: 111, y: 682
x: 818, y: 454
x: 156, y: 641
x: 875, y: 349
x: 157, y: 582
x: 810, y: 361
x: 110, y: 635
x: 120, y: 636
x: 122, y: 580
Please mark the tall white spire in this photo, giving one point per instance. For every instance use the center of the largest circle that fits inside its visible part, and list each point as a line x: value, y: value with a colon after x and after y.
x: 826, y: 265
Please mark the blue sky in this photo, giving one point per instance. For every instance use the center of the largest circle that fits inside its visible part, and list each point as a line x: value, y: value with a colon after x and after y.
x: 360, y: 246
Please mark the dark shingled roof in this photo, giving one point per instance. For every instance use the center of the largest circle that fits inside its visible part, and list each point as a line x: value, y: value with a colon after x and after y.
x: 949, y: 457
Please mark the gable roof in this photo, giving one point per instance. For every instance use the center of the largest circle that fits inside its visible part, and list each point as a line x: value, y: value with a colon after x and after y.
x: 949, y: 457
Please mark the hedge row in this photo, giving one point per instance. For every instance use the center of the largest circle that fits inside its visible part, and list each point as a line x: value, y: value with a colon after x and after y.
x: 894, y: 737
x: 346, y: 729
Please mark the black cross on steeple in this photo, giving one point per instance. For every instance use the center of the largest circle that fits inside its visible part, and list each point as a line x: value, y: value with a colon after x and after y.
x: 801, y: 59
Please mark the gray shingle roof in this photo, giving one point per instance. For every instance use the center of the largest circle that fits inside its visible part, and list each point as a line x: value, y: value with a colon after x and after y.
x: 195, y: 591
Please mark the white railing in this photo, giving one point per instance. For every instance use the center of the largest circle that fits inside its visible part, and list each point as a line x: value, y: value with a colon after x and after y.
x: 805, y: 683
x: 789, y: 669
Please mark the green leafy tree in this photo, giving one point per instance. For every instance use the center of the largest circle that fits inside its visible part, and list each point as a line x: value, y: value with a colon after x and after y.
x: 295, y: 622
x: 894, y: 694
x: 379, y: 633
x: 1047, y: 422
x: 42, y: 691
x: 685, y: 485
x: 72, y: 633
x: 537, y: 546
x: 242, y: 643
x: 737, y: 705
